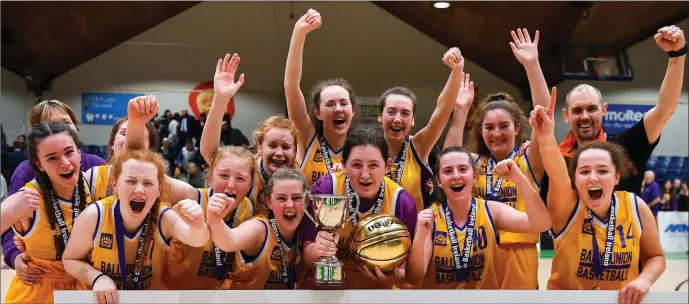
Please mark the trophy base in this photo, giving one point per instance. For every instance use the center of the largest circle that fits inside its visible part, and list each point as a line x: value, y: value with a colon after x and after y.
x: 328, y: 274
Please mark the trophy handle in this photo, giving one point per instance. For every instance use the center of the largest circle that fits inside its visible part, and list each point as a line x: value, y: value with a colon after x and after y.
x: 354, y: 196
x: 307, y: 194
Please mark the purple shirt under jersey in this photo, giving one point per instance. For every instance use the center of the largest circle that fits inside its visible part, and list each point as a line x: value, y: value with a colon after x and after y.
x: 405, y: 209
x: 649, y: 193
x: 22, y: 175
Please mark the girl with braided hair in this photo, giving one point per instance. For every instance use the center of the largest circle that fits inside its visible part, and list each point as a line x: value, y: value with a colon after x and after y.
x: 59, y: 188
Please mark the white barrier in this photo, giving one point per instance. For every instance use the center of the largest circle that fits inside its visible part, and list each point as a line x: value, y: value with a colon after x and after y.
x: 370, y: 296
x: 673, y: 230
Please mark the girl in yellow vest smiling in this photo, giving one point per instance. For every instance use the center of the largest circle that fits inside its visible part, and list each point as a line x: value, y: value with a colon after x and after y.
x: 321, y: 137
x: 60, y: 190
x: 268, y: 245
x: 600, y: 234
x: 409, y: 153
x: 124, y: 237
x: 456, y: 240
x: 497, y: 130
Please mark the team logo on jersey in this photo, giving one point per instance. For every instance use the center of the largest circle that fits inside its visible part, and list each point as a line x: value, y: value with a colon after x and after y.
x: 106, y: 240
x: 275, y: 255
x: 440, y: 238
x: 587, y: 228
x: 318, y: 156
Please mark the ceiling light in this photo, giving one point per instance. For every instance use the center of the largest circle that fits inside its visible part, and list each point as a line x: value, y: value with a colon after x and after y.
x: 441, y: 4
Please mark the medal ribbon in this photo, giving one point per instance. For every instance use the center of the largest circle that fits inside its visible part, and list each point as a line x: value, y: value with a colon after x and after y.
x: 400, y: 163
x: 379, y: 202
x: 326, y: 153
x: 461, y: 266
x: 492, y: 193
x: 288, y: 272
x: 119, y: 235
x: 60, y: 218
x: 599, y: 267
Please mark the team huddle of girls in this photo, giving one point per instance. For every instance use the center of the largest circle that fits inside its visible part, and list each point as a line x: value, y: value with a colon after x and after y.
x: 125, y: 225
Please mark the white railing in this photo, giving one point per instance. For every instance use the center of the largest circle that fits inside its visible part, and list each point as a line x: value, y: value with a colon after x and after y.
x: 371, y: 296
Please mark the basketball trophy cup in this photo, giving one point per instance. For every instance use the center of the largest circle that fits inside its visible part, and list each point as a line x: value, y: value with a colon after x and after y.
x: 330, y: 212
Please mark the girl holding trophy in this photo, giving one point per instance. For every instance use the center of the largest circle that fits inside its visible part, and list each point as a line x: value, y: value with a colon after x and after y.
x: 365, y: 153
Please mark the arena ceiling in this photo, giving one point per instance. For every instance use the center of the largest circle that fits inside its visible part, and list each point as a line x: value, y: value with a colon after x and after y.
x: 43, y: 40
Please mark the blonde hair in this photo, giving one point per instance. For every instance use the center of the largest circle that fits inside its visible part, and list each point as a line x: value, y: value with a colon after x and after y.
x: 42, y: 111
x: 226, y: 151
x: 280, y: 122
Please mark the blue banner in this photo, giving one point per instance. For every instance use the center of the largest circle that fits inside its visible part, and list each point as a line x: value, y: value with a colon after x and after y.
x: 104, y: 108
x: 620, y: 117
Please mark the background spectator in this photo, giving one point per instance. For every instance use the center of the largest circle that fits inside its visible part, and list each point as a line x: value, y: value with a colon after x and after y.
x: 650, y: 192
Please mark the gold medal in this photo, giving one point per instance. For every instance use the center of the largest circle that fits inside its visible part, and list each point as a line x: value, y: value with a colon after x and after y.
x: 595, y: 287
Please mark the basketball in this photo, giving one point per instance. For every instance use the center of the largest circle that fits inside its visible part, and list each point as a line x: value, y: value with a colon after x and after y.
x: 381, y: 240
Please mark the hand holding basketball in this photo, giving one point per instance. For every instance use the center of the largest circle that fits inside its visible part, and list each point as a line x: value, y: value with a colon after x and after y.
x: 309, y: 21
x: 326, y: 244
x: 224, y: 86
x: 142, y: 108
x: 397, y: 276
x: 453, y: 59
x: 634, y: 291
x: 670, y: 38
x: 190, y: 212
x: 523, y: 49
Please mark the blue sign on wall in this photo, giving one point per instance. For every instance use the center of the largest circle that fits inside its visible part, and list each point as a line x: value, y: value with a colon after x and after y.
x: 104, y: 108
x: 620, y: 117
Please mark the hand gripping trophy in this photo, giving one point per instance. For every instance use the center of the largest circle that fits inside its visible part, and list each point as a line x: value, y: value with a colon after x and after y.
x: 330, y: 212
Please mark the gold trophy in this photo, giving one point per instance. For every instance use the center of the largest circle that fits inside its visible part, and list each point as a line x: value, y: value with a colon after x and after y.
x: 330, y: 212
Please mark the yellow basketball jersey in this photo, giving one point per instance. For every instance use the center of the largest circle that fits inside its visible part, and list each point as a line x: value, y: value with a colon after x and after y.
x: 573, y: 264
x: 508, y: 194
x: 104, y: 255
x: 99, y: 183
x: 414, y: 176
x: 263, y: 271
x: 193, y: 268
x: 260, y: 180
x: 39, y: 240
x: 481, y: 273
x: 355, y: 279
x: 313, y: 165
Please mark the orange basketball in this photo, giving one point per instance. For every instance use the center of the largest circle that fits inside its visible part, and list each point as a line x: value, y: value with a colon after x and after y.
x: 381, y: 240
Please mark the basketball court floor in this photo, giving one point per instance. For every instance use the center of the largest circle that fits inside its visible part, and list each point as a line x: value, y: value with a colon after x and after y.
x: 676, y: 273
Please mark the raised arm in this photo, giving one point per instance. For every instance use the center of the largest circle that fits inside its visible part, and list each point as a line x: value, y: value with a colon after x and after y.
x: 536, y: 218
x: 465, y: 97
x: 422, y: 247
x: 140, y: 110
x: 526, y: 53
x: 186, y: 224
x: 224, y: 89
x: 296, y: 105
x: 76, y: 256
x: 669, y: 38
x: 428, y: 136
x: 561, y: 198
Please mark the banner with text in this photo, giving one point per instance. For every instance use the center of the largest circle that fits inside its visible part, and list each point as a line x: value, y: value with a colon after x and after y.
x: 104, y: 108
x: 673, y: 227
x: 620, y: 117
